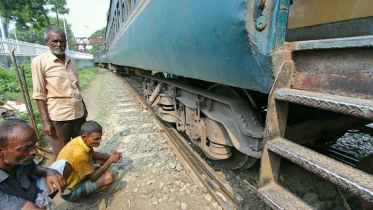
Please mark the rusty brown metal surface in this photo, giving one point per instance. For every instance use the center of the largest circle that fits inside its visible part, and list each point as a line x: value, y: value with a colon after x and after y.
x: 345, y: 72
x: 362, y: 108
x: 279, y: 198
x: 275, y: 128
x: 340, y: 174
x: 88, y: 41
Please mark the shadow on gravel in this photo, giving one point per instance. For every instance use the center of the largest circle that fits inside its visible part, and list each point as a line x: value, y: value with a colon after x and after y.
x: 120, y: 169
x: 107, y: 196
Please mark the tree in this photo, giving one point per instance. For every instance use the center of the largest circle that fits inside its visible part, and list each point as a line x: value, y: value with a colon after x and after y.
x: 36, y: 35
x: 30, y: 12
x: 31, y: 36
x: 59, y: 7
x: 101, y: 34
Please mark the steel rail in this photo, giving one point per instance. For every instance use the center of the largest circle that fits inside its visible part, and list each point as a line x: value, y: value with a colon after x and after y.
x: 199, y: 171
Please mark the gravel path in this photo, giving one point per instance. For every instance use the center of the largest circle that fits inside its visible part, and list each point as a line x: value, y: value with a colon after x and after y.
x: 149, y: 176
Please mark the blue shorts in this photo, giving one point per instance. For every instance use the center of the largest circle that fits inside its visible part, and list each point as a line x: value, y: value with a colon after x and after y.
x: 84, y: 188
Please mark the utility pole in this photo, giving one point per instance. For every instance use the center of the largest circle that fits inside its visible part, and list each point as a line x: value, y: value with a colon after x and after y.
x: 86, y: 28
x: 86, y: 34
x: 3, y: 32
x: 64, y: 26
x: 15, y: 34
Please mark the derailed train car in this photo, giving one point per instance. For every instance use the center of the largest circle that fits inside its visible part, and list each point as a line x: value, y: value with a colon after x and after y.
x: 251, y: 80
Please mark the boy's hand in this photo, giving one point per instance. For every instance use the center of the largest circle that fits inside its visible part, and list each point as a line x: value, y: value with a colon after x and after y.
x: 116, y: 157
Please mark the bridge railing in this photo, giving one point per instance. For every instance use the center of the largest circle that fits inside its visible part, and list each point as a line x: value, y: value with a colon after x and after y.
x: 30, y: 49
x: 21, y: 48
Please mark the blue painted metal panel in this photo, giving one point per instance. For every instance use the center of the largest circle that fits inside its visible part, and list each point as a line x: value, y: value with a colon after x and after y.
x: 207, y: 40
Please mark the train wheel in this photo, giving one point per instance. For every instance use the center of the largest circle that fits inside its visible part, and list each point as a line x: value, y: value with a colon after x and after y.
x: 159, y: 75
x: 238, y: 160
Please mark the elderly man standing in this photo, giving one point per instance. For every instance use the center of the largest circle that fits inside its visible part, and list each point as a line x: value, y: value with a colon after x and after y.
x: 57, y: 92
x: 18, y: 172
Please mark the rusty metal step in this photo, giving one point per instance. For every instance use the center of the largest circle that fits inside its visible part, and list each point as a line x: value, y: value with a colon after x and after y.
x: 362, y: 108
x: 336, y: 43
x: 349, y: 178
x: 279, y: 198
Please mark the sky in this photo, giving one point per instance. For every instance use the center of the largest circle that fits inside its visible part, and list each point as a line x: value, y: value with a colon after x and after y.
x: 87, y: 16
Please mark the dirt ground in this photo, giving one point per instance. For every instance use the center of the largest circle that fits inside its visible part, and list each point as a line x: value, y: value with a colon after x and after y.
x: 149, y: 176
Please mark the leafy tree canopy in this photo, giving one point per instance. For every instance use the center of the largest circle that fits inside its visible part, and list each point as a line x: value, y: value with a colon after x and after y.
x: 59, y: 7
x: 36, y: 34
x: 98, y: 33
x: 31, y: 12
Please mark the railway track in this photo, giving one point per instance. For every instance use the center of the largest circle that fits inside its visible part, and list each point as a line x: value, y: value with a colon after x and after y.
x: 201, y: 173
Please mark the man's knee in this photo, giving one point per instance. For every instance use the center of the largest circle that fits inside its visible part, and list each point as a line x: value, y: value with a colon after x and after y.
x: 109, y: 177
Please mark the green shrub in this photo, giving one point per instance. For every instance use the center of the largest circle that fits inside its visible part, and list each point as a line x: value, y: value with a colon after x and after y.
x: 86, y: 75
x: 8, y: 80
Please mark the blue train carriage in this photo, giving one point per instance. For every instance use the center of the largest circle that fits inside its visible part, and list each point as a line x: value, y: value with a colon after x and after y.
x: 255, y: 79
x: 100, y: 57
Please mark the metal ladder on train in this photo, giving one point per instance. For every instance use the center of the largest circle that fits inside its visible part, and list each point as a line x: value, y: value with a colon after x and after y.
x: 277, y: 147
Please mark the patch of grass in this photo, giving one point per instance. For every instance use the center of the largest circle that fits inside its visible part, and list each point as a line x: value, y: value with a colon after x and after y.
x: 86, y: 75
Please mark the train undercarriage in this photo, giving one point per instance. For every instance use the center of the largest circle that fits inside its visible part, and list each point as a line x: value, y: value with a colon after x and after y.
x: 217, y: 119
x: 228, y: 123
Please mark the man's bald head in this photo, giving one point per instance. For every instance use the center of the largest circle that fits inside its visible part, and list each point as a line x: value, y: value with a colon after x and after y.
x: 7, y: 128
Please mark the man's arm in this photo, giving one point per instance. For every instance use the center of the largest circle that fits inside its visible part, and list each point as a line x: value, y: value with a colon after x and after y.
x: 52, y: 177
x: 40, y: 94
x: 11, y: 202
x: 85, y: 110
x: 114, y: 158
x: 48, y: 127
x: 30, y: 206
x: 101, y: 156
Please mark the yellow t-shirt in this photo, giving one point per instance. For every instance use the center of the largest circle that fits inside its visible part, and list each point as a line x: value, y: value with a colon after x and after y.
x: 80, y: 157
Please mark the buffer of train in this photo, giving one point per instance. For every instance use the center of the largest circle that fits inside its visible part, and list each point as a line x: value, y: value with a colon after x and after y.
x: 254, y: 80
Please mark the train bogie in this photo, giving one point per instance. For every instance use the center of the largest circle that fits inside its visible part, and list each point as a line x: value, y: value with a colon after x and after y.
x: 218, y: 123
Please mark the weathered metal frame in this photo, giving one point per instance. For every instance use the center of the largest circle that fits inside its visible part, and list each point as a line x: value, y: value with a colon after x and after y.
x: 245, y: 133
x: 276, y: 146
x: 269, y: 191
